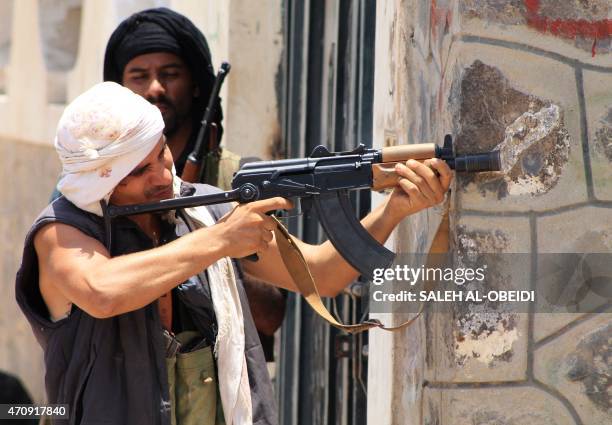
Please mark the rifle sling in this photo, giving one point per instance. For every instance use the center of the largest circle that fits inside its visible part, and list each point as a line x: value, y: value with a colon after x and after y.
x: 298, y: 268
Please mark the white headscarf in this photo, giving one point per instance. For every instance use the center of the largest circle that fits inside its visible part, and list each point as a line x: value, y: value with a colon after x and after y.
x: 101, y: 137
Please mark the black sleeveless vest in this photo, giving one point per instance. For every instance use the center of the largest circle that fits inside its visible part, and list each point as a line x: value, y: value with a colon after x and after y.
x: 113, y: 371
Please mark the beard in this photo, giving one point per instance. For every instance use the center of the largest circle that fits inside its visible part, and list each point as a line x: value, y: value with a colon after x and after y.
x: 170, y: 125
x: 170, y: 114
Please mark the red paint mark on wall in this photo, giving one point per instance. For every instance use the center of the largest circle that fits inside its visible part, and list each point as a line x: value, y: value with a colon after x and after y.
x: 440, y: 18
x: 568, y: 28
x: 434, y: 17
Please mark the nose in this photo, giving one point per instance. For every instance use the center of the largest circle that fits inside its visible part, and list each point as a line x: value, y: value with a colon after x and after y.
x: 155, y: 89
x: 162, y: 175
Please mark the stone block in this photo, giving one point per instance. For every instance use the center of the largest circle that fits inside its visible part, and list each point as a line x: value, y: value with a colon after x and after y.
x: 504, y: 12
x: 580, y: 25
x: 585, y: 230
x: 598, y: 99
x: 493, y: 406
x: 547, y: 324
x: 576, y: 364
x: 589, y: 10
x: 481, y: 234
x: 509, y: 103
x: 473, y: 342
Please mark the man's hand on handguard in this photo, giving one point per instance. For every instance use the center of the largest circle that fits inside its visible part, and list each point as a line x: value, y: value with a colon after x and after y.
x: 423, y: 185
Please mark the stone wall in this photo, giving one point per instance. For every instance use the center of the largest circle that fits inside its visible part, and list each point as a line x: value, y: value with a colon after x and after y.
x: 51, y: 51
x: 533, y: 79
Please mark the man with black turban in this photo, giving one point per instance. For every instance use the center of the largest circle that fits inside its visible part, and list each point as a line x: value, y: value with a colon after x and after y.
x: 162, y: 56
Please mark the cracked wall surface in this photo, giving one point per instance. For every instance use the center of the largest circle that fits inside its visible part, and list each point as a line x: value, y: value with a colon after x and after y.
x: 528, y: 131
x: 590, y: 363
x: 603, y: 135
x: 532, y: 79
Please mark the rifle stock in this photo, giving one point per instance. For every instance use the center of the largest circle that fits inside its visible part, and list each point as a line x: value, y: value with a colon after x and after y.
x: 193, y: 170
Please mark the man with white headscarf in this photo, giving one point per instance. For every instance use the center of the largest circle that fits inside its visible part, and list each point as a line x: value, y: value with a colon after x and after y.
x: 100, y: 316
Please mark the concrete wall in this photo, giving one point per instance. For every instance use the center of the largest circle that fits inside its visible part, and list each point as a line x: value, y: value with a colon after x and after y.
x: 52, y: 50
x: 533, y: 78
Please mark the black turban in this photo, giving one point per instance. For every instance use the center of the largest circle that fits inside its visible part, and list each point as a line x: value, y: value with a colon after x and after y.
x: 163, y: 30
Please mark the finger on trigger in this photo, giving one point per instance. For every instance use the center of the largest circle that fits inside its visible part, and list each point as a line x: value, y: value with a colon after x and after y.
x: 272, y: 204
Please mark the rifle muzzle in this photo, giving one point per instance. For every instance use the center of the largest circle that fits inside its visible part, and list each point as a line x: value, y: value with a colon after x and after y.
x: 488, y: 161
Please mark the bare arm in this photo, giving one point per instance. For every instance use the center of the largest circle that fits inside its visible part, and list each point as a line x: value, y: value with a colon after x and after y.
x: 75, y: 268
x: 420, y: 188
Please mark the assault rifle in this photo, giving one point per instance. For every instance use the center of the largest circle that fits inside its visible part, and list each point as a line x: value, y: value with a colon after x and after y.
x: 324, y: 180
x: 196, y: 161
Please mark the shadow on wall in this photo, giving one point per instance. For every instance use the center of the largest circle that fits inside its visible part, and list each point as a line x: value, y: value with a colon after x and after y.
x: 12, y: 391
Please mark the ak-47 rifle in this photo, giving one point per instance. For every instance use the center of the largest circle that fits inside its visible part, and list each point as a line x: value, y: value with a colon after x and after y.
x: 324, y: 180
x: 193, y: 171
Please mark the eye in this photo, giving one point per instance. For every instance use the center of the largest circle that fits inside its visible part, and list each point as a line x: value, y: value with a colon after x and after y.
x: 138, y: 78
x: 169, y: 75
x: 139, y: 172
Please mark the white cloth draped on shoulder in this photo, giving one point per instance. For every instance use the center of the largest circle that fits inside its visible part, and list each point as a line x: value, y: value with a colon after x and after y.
x: 229, y: 345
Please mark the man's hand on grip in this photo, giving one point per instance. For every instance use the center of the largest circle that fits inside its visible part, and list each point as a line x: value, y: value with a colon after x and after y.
x: 247, y: 229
